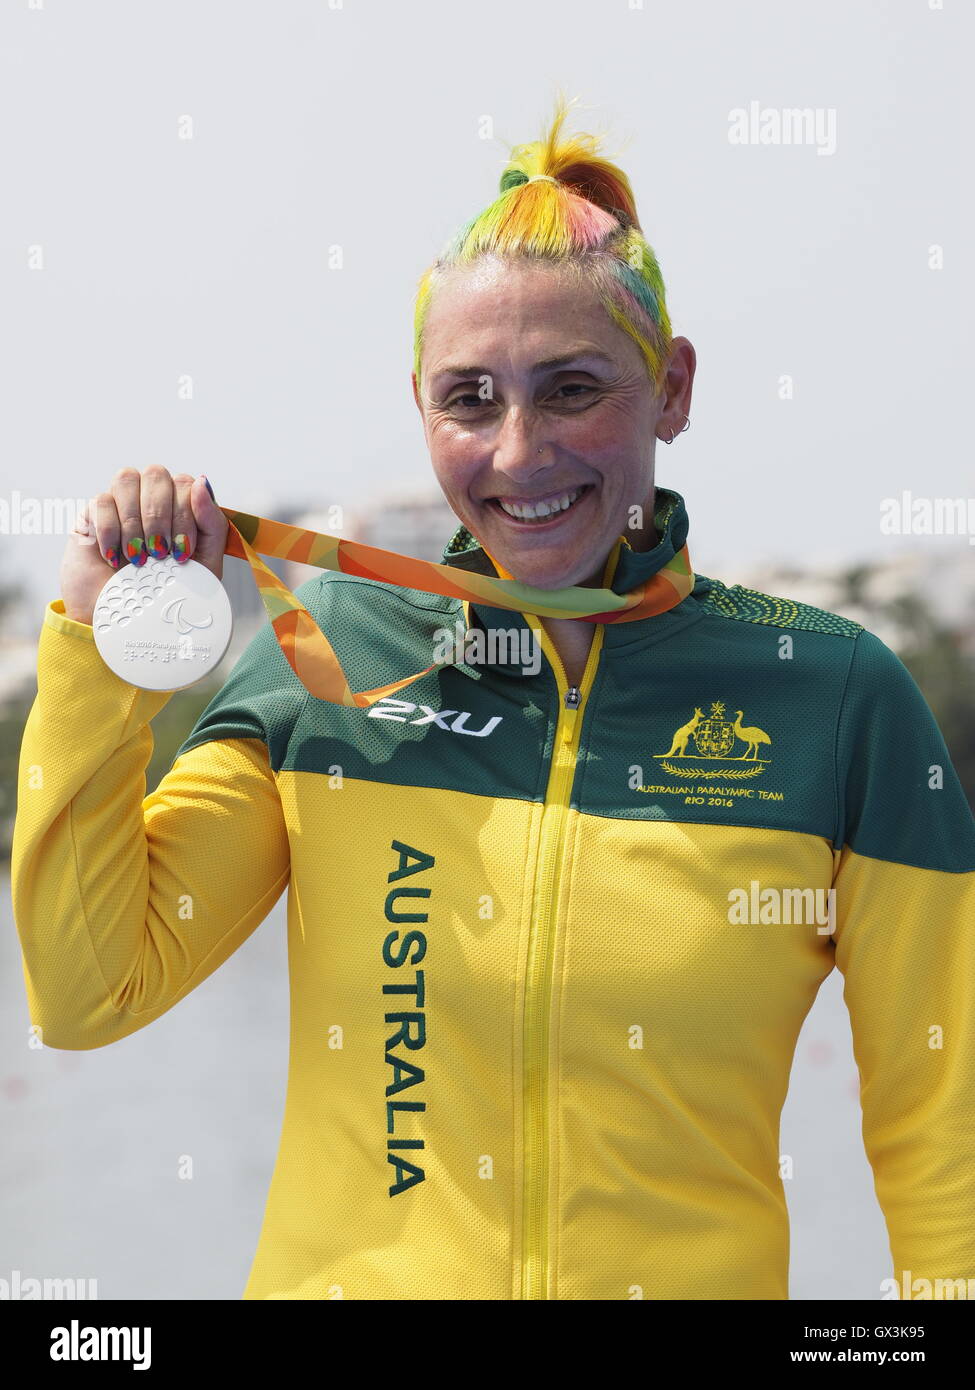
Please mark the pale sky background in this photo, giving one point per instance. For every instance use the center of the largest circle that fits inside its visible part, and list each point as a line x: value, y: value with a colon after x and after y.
x: 359, y: 126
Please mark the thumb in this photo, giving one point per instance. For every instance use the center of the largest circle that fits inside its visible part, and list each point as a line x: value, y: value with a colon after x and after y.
x: 211, y: 524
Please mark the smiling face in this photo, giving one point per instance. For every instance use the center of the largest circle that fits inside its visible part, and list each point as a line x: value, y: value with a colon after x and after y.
x: 532, y: 394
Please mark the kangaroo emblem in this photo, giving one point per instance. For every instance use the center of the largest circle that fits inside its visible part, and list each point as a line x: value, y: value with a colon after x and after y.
x: 679, y: 746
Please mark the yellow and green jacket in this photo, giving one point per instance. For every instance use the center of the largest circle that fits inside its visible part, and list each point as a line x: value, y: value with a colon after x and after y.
x: 550, y: 948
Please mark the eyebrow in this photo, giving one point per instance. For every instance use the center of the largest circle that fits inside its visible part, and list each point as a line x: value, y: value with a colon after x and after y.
x: 563, y: 359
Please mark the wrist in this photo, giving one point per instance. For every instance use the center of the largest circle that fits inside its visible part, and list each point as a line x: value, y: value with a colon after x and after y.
x: 57, y: 608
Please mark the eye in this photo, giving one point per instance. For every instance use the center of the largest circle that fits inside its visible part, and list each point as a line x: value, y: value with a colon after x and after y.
x: 579, y: 390
x: 466, y: 400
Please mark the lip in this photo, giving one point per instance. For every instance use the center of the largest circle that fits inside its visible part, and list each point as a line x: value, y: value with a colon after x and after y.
x: 553, y: 520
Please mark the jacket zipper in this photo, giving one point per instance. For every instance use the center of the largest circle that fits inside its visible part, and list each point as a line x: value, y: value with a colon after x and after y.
x: 538, y: 983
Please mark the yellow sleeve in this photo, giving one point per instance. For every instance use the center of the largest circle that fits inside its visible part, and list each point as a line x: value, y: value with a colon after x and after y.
x: 906, y: 947
x: 905, y: 944
x: 125, y: 902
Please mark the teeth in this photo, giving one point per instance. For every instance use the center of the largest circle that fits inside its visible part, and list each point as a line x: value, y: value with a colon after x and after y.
x: 527, y: 511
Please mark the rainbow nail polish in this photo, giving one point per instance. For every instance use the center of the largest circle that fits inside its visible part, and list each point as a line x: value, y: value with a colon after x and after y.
x: 181, y: 547
x: 114, y: 556
x: 136, y: 551
x: 157, y: 546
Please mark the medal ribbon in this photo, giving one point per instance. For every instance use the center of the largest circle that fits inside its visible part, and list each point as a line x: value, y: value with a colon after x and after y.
x: 310, y: 654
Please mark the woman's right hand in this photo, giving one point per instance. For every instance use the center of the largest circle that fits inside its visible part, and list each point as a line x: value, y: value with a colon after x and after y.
x: 155, y: 513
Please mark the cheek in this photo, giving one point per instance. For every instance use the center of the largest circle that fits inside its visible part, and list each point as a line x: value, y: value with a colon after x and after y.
x: 455, y: 454
x: 603, y: 439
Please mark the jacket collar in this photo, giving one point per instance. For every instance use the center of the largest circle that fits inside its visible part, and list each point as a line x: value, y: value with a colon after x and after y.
x: 625, y: 568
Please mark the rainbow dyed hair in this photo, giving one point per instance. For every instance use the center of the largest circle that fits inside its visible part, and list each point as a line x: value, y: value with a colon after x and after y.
x: 586, y: 222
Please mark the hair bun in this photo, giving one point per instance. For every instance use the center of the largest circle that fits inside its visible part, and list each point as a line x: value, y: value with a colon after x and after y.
x: 575, y: 164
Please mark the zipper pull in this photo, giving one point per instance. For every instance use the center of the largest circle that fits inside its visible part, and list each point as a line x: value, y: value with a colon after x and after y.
x: 573, y: 698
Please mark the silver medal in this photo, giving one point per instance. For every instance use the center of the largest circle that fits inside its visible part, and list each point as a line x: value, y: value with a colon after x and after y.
x: 163, y: 625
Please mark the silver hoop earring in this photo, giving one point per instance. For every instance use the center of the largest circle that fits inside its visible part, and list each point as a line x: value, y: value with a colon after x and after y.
x: 673, y: 434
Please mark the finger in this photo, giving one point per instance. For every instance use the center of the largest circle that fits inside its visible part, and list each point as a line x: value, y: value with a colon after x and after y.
x: 83, y: 529
x: 127, y: 492
x: 107, y: 529
x: 156, y: 503
x: 184, y: 522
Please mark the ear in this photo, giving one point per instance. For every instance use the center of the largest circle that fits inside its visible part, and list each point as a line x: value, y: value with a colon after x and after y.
x: 416, y: 393
x: 683, y: 367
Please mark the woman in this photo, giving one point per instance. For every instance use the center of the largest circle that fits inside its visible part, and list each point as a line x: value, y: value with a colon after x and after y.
x: 553, y: 930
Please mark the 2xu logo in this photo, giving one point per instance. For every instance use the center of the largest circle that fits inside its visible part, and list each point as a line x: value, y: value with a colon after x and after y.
x: 388, y: 708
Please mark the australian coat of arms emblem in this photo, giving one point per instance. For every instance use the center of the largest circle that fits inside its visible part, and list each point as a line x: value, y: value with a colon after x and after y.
x: 714, y: 739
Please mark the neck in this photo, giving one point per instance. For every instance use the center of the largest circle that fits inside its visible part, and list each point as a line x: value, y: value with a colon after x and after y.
x: 644, y: 539
x: 572, y: 637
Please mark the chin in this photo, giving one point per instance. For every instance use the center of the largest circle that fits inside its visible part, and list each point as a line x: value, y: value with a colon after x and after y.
x: 541, y: 576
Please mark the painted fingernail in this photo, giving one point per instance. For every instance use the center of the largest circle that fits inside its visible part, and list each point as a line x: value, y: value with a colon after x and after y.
x: 136, y: 551
x: 181, y: 548
x: 209, y: 488
x: 114, y: 556
x: 157, y: 545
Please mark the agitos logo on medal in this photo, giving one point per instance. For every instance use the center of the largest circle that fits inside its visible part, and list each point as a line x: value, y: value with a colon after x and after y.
x: 714, y: 740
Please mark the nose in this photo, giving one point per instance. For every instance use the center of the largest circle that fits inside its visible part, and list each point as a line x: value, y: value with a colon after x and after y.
x: 522, y: 448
